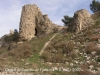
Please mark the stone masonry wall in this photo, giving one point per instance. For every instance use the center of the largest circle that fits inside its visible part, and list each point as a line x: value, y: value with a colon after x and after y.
x: 27, y: 22
x: 33, y: 22
x: 81, y: 19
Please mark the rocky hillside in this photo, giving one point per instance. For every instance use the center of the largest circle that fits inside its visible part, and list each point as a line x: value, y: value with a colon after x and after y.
x: 77, y: 50
x: 63, y: 53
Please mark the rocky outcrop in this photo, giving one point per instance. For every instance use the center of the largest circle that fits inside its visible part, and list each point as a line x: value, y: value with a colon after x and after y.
x: 81, y: 20
x: 33, y: 23
x: 11, y: 32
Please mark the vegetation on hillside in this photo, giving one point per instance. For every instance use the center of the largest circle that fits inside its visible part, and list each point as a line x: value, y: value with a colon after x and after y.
x: 95, y: 6
x: 67, y: 53
x: 12, y: 37
x: 67, y: 20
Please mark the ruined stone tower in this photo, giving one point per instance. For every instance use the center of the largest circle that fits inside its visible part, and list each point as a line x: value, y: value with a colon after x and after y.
x: 81, y: 20
x: 33, y: 23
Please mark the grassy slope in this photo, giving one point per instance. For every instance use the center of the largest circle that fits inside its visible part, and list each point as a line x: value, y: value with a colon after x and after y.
x: 67, y: 42
x: 35, y: 45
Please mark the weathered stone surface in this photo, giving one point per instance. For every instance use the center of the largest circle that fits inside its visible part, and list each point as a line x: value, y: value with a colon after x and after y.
x: 33, y: 23
x: 81, y: 20
x: 11, y: 32
x: 27, y: 22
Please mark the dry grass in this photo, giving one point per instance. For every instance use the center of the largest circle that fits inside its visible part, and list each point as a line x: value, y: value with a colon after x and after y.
x: 68, y: 49
x: 47, y: 56
x: 98, y: 59
x: 94, y: 38
x: 96, y: 15
x: 24, y: 51
x: 82, y: 40
x: 55, y: 51
x: 73, y: 54
x: 88, y: 33
x: 98, y: 52
x: 91, y: 47
x: 58, y: 58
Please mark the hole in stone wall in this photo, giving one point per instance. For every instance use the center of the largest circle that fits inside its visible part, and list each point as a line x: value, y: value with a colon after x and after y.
x: 35, y: 31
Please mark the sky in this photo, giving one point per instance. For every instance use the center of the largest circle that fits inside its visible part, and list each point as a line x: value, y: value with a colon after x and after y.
x: 10, y: 11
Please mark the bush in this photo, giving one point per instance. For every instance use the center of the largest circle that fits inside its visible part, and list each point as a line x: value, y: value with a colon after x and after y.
x: 12, y: 38
x: 51, y: 57
x: 8, y: 39
x: 67, y: 20
x: 90, y: 48
x: 55, y: 52
x: 98, y: 51
x: 94, y: 38
x: 98, y: 59
x: 88, y: 33
x: 95, y: 6
x: 58, y: 58
x: 23, y: 51
x: 47, y: 56
x: 73, y: 54
x: 69, y: 48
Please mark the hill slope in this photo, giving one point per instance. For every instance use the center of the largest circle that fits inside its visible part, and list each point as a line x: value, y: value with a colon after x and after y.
x: 66, y: 54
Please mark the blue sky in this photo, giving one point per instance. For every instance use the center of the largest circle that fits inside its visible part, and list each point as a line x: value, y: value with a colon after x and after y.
x: 10, y: 11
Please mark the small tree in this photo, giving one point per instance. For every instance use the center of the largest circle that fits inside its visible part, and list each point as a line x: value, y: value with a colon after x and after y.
x: 15, y: 31
x: 15, y: 35
x: 67, y: 20
x: 95, y: 6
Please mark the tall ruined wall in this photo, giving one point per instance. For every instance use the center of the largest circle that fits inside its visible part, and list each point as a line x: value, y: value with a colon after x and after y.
x: 27, y: 22
x: 33, y: 22
x: 81, y: 20
x: 45, y: 26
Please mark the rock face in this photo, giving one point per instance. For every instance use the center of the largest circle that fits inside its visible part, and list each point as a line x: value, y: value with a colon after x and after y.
x: 81, y: 20
x: 33, y: 23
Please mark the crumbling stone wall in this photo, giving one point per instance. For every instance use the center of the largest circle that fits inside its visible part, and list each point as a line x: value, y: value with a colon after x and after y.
x: 27, y: 22
x: 81, y: 20
x: 33, y: 23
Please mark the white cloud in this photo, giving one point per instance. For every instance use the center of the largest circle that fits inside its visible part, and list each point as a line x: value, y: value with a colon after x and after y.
x: 10, y: 11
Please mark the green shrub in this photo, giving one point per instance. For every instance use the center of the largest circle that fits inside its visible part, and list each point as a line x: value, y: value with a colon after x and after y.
x: 67, y: 20
x: 95, y: 6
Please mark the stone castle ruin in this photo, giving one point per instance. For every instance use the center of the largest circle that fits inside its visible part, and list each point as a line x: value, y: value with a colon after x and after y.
x: 81, y: 20
x: 33, y: 23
